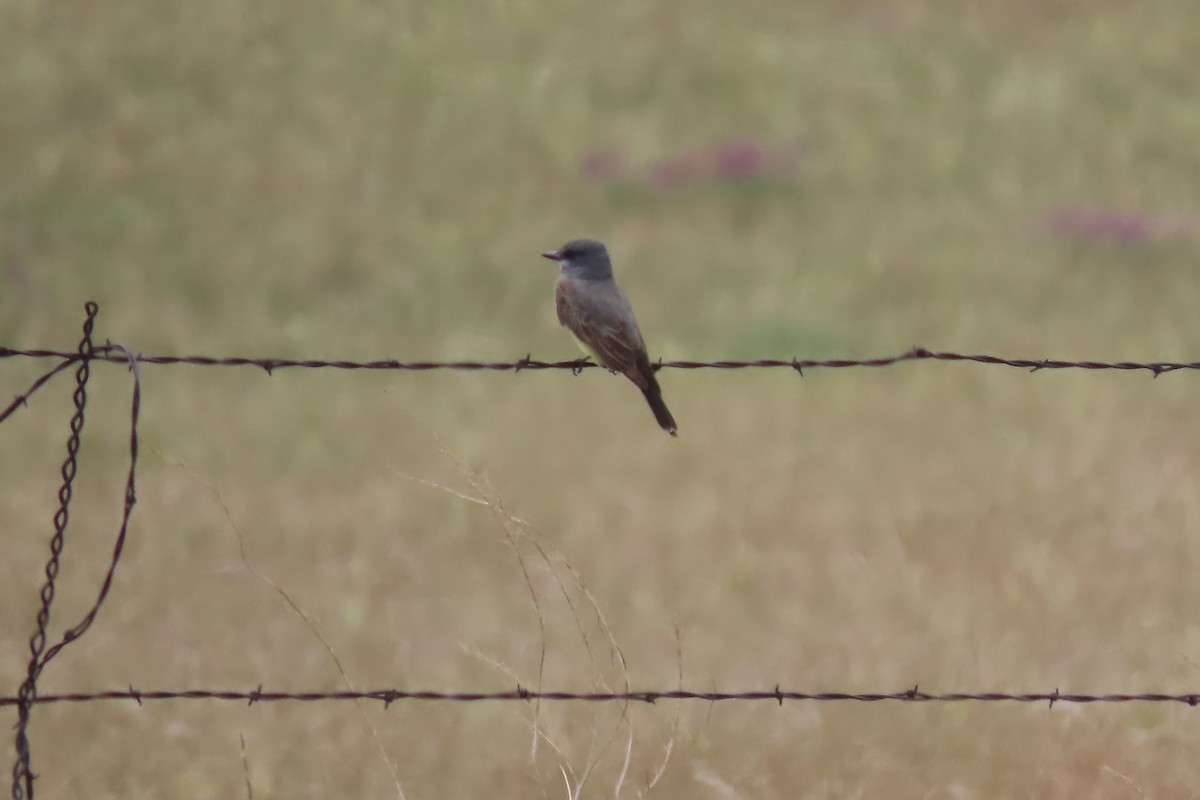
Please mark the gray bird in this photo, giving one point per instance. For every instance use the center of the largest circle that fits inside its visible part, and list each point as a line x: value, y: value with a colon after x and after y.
x: 596, y: 311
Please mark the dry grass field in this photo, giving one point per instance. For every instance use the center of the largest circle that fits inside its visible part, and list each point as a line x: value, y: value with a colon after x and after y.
x: 368, y: 180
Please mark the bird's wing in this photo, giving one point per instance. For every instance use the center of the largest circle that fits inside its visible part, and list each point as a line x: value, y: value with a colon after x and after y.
x: 600, y: 316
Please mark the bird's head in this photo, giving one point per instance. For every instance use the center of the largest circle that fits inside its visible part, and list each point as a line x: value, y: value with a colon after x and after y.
x: 583, y: 258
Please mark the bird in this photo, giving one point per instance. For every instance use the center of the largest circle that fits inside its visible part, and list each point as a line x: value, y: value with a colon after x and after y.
x: 596, y: 311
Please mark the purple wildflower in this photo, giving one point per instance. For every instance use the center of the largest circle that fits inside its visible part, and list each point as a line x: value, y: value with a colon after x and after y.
x: 741, y: 157
x: 1098, y: 225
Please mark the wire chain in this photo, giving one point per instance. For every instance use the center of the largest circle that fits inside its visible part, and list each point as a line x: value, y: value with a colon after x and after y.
x: 22, y: 786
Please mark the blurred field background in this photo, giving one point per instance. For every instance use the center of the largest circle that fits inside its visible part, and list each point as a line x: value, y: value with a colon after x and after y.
x: 375, y: 180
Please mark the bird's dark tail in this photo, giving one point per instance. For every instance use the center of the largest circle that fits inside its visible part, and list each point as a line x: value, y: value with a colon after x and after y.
x: 661, y: 412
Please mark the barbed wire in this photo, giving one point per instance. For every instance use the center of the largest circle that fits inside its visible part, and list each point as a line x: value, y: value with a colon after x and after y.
x: 22, y: 785
x: 777, y: 695
x: 107, y: 353
x: 27, y: 695
x: 40, y: 656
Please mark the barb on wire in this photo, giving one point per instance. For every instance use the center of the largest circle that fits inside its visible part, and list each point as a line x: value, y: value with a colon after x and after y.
x: 798, y: 365
x: 776, y: 695
x: 22, y: 786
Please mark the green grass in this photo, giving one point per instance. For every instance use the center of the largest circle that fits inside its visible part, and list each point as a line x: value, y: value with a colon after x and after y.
x: 363, y: 180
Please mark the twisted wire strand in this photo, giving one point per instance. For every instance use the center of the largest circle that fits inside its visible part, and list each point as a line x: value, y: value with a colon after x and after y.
x: 777, y: 695
x: 110, y: 353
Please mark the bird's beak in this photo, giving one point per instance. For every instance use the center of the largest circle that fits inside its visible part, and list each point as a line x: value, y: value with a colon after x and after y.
x: 553, y: 255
